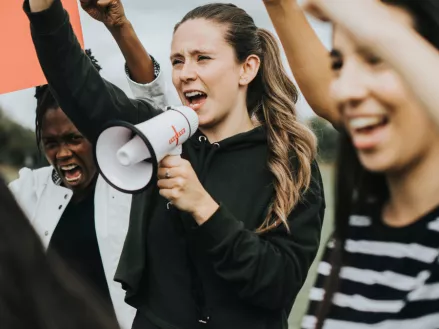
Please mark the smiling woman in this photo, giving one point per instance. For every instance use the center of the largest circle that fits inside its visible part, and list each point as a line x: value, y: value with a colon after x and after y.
x: 381, y: 268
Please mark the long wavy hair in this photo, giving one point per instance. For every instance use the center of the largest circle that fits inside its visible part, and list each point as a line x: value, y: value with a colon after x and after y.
x: 356, y: 187
x: 271, y: 99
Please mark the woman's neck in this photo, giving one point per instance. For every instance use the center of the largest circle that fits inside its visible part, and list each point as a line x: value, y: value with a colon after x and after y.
x: 238, y: 121
x: 414, y: 192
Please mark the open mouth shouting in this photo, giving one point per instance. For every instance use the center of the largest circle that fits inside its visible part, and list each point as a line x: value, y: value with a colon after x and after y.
x: 368, y: 131
x: 71, y: 173
x: 195, y: 99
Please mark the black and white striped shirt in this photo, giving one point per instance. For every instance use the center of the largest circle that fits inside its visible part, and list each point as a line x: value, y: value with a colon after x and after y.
x: 389, y: 278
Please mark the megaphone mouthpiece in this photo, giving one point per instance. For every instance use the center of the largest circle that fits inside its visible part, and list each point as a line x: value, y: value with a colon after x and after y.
x: 133, y: 152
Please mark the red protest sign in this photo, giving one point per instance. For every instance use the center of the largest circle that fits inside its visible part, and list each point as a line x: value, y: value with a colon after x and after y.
x: 19, y: 66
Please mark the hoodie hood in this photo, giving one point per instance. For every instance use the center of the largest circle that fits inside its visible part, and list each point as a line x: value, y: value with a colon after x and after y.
x: 201, y: 152
x: 255, y: 136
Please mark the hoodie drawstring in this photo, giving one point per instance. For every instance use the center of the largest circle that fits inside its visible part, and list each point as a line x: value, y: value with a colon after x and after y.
x: 206, y: 164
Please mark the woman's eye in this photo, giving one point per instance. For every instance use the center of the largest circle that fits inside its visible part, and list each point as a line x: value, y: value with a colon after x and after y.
x: 370, y: 58
x: 201, y: 58
x: 49, y: 145
x: 76, y: 139
x: 176, y: 61
x: 373, y: 60
x: 336, y: 65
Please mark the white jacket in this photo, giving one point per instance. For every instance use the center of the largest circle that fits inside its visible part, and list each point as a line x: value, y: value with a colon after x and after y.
x: 44, y: 201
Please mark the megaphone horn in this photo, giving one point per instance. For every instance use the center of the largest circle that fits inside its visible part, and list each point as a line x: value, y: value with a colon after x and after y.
x: 127, y: 155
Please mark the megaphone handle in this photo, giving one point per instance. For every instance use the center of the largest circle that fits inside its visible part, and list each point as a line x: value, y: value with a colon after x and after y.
x: 177, y: 151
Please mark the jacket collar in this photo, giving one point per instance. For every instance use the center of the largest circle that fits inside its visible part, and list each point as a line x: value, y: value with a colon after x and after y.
x: 55, y: 178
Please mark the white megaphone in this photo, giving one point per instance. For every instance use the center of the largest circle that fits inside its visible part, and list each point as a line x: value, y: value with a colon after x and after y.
x: 127, y: 155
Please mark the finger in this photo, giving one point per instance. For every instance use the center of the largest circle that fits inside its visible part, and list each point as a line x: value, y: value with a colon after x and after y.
x: 165, y: 193
x: 173, y: 172
x: 166, y: 173
x: 85, y: 3
x: 171, y: 161
x: 104, y: 3
x: 170, y: 183
x: 169, y: 194
x: 161, y: 173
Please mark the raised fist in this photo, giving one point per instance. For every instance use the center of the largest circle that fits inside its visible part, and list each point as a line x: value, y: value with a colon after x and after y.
x: 109, y: 12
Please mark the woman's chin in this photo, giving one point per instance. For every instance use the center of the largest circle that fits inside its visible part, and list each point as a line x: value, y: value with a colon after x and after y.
x: 205, y: 122
x: 378, y: 162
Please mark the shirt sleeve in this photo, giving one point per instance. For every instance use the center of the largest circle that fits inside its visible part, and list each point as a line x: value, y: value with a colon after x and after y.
x: 156, y: 92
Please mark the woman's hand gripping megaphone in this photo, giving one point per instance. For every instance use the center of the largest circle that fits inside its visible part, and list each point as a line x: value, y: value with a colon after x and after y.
x: 179, y: 183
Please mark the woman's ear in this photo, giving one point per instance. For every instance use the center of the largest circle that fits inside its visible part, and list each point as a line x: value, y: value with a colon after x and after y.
x: 249, y: 70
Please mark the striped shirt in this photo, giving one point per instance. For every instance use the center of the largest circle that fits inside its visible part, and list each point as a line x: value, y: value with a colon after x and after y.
x: 389, y: 278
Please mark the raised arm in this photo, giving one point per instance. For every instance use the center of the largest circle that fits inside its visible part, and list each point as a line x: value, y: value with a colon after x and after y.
x: 142, y: 70
x: 82, y: 93
x: 308, y: 58
x: 415, y: 59
x: 112, y: 14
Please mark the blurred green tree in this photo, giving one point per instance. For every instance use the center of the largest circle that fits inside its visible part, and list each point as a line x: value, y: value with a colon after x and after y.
x: 17, y: 143
x: 327, y: 138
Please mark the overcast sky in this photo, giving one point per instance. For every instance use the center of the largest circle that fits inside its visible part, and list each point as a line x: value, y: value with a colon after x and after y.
x: 154, y: 22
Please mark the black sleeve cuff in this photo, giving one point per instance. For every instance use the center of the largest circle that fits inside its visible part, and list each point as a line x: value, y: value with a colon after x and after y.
x: 46, y: 21
x: 221, y: 226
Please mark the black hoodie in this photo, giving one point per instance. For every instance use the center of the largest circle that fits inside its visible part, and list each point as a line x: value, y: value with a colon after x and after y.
x: 176, y: 272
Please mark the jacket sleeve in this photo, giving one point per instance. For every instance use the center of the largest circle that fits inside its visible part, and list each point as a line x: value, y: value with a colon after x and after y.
x: 86, y: 98
x: 156, y: 92
x: 267, y: 270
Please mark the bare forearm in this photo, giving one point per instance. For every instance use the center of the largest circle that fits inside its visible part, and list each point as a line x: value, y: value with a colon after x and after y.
x: 138, y: 61
x: 414, y: 58
x: 307, y: 56
x: 39, y: 5
x: 416, y: 61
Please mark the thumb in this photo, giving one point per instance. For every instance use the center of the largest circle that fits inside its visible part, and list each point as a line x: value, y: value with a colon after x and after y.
x: 103, y: 3
x: 85, y: 2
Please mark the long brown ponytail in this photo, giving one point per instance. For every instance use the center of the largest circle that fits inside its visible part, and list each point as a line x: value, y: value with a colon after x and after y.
x: 292, y: 144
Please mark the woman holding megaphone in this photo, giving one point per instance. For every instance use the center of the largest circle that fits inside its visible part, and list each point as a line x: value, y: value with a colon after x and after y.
x: 381, y: 269
x: 234, y: 249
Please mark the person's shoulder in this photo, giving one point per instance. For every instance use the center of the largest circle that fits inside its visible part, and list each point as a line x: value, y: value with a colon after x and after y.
x: 32, y: 177
x: 43, y: 172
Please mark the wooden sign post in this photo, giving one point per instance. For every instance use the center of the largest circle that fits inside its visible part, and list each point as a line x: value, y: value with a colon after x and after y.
x: 19, y: 66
